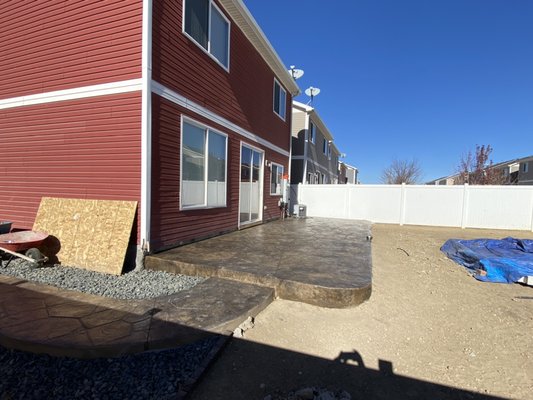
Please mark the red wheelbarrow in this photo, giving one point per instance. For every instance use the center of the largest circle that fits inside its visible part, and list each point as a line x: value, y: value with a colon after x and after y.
x: 12, y: 244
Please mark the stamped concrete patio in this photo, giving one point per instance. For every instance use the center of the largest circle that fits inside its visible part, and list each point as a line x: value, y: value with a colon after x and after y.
x: 317, y: 261
x: 325, y: 262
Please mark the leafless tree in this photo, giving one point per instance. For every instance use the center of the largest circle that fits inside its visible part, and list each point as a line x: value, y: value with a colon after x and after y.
x: 478, y: 169
x: 402, y: 171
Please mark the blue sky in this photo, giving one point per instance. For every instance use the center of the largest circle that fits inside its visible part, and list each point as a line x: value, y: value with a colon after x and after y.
x: 412, y: 79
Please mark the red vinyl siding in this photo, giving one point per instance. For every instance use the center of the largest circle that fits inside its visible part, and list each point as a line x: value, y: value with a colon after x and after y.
x: 244, y: 95
x: 87, y: 148
x: 50, y: 45
x: 170, y: 226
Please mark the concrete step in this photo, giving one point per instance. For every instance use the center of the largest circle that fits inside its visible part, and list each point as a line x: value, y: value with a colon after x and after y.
x: 45, y: 319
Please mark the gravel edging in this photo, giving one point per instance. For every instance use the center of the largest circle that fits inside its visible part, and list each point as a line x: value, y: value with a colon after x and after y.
x: 137, y: 284
x: 166, y: 374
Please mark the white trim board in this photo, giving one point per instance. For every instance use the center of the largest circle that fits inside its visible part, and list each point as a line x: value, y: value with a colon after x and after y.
x: 103, y: 89
x: 133, y: 85
x: 146, y: 127
x: 182, y: 101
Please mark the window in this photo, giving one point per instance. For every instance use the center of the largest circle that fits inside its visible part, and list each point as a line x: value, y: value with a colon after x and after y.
x: 312, y: 132
x: 276, y: 178
x: 525, y: 168
x: 280, y: 100
x: 203, y: 168
x: 207, y: 26
x: 325, y: 147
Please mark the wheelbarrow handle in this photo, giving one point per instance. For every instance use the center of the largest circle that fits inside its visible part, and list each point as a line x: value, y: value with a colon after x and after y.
x: 18, y: 255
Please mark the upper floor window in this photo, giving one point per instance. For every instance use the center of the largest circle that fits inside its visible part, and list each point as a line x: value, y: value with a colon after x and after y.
x: 280, y: 100
x: 312, y: 132
x: 205, y: 23
x: 525, y: 168
x: 325, y: 147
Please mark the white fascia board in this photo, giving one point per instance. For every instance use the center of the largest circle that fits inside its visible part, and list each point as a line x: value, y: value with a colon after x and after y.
x: 146, y: 126
x: 182, y: 101
x: 242, y: 17
x: 103, y: 89
x: 302, y: 106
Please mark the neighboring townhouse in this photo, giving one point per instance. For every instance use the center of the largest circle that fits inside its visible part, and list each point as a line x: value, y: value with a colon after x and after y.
x: 445, y: 180
x: 511, y: 172
x: 525, y: 171
x: 181, y: 105
x: 347, y: 174
x: 315, y: 157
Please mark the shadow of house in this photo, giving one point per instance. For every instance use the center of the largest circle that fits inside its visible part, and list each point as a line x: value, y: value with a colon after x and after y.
x: 261, y: 369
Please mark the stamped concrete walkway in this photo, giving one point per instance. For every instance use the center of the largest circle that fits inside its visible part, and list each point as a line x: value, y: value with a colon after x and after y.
x: 45, y: 319
x: 325, y: 262
x: 318, y: 261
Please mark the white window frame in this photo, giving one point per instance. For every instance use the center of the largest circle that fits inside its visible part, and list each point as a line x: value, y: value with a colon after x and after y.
x: 312, y: 132
x: 207, y: 129
x: 281, y: 107
x: 262, y: 180
x: 208, y: 50
x: 272, y: 165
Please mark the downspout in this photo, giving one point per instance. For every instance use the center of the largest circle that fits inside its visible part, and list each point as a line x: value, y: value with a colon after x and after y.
x: 289, y: 172
x: 306, y: 144
x: 146, y: 126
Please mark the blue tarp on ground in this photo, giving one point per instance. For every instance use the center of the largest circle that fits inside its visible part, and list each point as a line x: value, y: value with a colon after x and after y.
x: 505, y: 261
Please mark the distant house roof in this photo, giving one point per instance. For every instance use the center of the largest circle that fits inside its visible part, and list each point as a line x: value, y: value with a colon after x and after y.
x: 247, y: 23
x: 321, y: 125
x: 348, y: 165
x: 497, y: 165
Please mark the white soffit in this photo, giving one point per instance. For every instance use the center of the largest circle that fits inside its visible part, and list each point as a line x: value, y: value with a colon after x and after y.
x: 246, y: 22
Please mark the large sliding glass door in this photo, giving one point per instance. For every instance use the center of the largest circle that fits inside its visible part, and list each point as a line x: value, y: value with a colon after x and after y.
x: 251, y: 185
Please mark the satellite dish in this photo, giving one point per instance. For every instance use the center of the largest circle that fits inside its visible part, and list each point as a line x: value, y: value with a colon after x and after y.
x: 296, y: 73
x: 312, y: 92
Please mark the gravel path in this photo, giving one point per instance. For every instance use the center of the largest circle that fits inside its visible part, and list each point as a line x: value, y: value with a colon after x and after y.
x: 133, y: 285
x: 151, y: 375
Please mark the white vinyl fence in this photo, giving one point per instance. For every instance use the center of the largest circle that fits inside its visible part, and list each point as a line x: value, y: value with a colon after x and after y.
x: 492, y: 207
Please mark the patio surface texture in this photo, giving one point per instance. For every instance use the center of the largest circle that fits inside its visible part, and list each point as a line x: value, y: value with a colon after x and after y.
x: 317, y: 261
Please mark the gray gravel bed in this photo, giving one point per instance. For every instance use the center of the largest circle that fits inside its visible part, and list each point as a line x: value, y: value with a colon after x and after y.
x: 311, y: 393
x: 152, y: 375
x: 140, y: 284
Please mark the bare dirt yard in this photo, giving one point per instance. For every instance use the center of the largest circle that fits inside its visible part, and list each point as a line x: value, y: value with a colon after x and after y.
x: 429, y: 331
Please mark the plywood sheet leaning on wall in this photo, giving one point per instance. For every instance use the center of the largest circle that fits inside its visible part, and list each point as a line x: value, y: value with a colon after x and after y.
x: 93, y: 234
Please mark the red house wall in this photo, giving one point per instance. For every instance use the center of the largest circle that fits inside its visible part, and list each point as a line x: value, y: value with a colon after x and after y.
x: 169, y: 225
x: 87, y: 148
x: 49, y: 45
x: 244, y: 95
